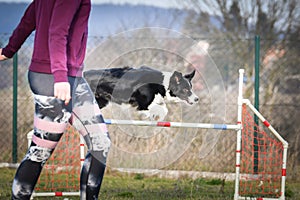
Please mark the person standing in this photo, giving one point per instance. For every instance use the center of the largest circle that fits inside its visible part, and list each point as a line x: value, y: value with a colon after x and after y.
x: 61, y: 94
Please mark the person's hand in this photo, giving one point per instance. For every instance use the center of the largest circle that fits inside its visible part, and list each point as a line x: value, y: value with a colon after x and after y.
x: 2, y: 57
x: 62, y: 91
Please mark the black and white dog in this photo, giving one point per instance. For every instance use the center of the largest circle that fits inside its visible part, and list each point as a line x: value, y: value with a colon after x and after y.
x: 145, y: 88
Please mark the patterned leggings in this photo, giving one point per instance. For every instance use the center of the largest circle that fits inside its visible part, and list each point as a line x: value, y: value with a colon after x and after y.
x: 50, y: 121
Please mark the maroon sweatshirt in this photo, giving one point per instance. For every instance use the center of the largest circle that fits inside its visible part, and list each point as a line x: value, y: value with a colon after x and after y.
x: 61, y: 28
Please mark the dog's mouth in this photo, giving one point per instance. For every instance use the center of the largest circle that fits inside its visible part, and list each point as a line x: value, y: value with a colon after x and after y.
x: 192, y: 100
x: 190, y: 103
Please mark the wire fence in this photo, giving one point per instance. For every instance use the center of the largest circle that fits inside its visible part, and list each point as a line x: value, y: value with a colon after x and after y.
x: 215, y: 83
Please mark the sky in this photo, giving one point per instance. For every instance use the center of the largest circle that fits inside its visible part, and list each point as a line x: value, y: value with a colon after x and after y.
x: 157, y: 3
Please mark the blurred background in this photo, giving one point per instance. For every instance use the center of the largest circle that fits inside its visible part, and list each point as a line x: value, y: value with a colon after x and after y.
x: 214, y: 37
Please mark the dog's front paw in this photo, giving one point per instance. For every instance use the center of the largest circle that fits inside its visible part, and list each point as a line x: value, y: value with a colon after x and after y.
x: 144, y: 114
x: 158, y: 112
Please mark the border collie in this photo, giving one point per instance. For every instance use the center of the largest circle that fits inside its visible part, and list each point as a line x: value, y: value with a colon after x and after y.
x: 145, y: 88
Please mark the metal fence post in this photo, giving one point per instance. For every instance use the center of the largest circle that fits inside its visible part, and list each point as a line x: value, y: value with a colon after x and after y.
x: 256, y: 101
x: 15, y: 110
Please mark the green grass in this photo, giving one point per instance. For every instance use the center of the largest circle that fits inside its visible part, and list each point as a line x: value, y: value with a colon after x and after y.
x: 118, y: 186
x: 139, y: 187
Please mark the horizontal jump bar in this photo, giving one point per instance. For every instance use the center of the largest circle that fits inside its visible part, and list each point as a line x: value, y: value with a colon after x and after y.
x: 57, y: 194
x: 172, y: 124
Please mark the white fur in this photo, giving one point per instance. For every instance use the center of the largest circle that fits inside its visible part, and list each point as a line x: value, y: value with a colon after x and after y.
x: 166, y: 83
x: 167, y: 77
x: 192, y: 98
x: 157, y: 110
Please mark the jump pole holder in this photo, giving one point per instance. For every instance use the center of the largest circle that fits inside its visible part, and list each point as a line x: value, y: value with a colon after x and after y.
x: 238, y: 127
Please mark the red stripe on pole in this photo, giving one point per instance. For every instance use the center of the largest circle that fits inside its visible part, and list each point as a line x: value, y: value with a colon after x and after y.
x: 238, y: 151
x: 239, y: 122
x: 238, y: 165
x: 266, y: 123
x: 283, y: 172
x: 165, y: 124
x: 82, y: 145
x: 82, y: 159
x: 58, y: 194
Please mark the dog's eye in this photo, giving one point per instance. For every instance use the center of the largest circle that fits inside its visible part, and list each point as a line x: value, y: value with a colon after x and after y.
x: 185, y: 90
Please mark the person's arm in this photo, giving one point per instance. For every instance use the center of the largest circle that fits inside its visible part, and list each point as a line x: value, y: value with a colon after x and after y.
x: 62, y: 17
x: 21, y: 33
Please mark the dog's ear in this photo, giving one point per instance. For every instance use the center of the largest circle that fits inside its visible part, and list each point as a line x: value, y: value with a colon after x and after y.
x: 190, y: 76
x: 177, y: 76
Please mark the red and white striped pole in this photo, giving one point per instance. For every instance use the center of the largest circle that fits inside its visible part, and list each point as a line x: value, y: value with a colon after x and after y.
x: 239, y: 135
x: 171, y: 124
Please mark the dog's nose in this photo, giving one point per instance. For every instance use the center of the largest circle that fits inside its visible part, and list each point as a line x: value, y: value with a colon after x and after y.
x: 196, y: 99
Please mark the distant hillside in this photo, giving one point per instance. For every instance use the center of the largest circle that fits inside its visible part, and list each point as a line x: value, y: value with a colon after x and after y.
x: 108, y: 19
x: 105, y: 19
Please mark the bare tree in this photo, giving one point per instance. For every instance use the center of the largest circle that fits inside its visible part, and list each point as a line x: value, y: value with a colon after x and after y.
x: 244, y: 18
x: 236, y: 22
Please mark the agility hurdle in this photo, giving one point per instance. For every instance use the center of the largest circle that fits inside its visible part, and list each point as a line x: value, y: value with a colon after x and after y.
x: 60, y: 175
x: 268, y: 183
x: 242, y: 173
